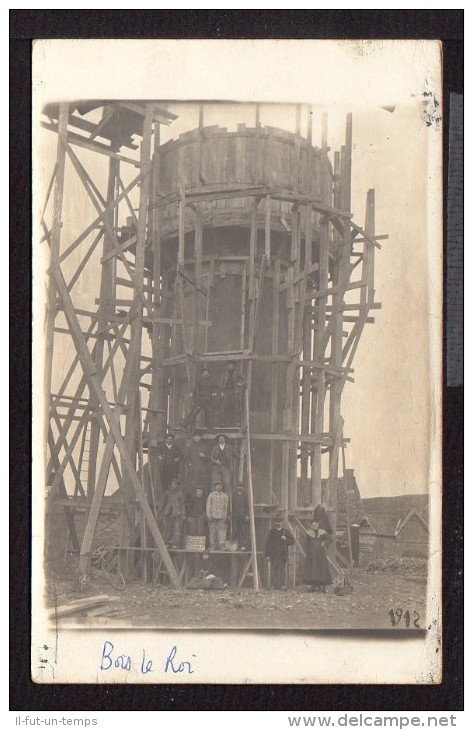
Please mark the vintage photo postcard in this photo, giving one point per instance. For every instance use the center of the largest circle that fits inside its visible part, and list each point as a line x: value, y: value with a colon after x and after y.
x: 237, y: 361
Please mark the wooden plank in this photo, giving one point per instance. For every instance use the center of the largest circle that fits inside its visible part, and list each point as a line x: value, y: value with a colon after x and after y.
x: 347, y: 171
x: 296, y: 151
x: 257, y: 306
x: 81, y: 605
x: 318, y: 398
x: 79, y: 141
x: 55, y: 245
x: 256, y: 157
x: 354, y: 307
x: 274, y: 369
x: 107, y: 292
x: 307, y: 352
x: 347, y: 505
x: 366, y: 294
x: 252, y: 254
x: 267, y: 228
x: 243, y: 305
x: 130, y: 384
x: 251, y: 507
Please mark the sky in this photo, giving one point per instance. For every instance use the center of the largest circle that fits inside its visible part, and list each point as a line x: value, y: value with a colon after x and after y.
x: 391, y: 411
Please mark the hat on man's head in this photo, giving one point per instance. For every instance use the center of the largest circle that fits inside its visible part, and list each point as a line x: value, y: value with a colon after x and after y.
x: 169, y: 436
x: 221, y: 435
x: 240, y: 484
x: 215, y: 484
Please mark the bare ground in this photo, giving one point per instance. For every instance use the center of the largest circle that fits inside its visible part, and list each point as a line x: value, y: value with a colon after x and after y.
x: 368, y: 607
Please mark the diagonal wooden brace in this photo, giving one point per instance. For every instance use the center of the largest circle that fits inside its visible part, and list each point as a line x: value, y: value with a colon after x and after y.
x: 99, y: 396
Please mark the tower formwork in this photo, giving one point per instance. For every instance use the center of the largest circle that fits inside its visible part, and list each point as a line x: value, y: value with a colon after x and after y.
x: 226, y: 247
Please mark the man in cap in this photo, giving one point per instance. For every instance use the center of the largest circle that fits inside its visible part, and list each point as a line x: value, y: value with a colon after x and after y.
x: 217, y: 515
x: 277, y: 543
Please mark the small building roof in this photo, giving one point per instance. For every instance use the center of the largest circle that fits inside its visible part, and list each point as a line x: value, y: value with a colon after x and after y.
x: 390, y: 524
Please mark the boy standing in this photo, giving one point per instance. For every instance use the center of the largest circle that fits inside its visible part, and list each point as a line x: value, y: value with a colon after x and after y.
x: 277, y: 543
x: 217, y: 514
x: 196, y: 513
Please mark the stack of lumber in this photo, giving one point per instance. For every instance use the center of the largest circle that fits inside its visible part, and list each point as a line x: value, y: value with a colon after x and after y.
x: 92, y: 605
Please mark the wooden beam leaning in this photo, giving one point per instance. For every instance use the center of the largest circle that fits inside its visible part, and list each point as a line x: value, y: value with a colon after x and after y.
x: 132, y: 367
x: 105, y: 310
x: 367, y: 293
x: 267, y: 228
x: 252, y: 254
x: 306, y: 353
x: 101, y: 400
x: 274, y: 368
x: 342, y: 279
x: 54, y: 258
x: 251, y: 506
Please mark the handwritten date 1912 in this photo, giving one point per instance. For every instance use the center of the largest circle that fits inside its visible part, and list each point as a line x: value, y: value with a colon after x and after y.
x: 405, y: 618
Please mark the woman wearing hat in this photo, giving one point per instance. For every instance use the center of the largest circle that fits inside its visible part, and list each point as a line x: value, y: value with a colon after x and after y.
x: 319, y: 536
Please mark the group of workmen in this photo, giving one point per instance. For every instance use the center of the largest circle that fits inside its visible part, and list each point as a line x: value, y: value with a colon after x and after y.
x: 210, y: 514
x: 221, y: 514
x: 193, y: 509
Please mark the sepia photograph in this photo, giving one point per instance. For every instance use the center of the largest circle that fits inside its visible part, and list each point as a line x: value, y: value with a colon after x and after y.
x: 237, y: 346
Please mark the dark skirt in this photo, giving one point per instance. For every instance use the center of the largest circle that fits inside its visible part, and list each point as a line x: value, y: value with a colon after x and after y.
x: 317, y: 568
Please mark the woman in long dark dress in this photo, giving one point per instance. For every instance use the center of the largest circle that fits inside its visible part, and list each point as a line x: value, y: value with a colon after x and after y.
x: 317, y: 568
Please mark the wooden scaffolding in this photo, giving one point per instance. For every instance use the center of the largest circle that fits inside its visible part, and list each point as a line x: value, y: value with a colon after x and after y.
x: 106, y: 419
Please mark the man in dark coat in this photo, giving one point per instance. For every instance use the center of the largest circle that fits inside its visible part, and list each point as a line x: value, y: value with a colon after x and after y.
x: 197, y: 463
x: 174, y: 514
x: 228, y: 396
x: 170, y: 457
x: 202, y: 396
x: 277, y: 543
x: 196, y: 513
x: 222, y: 458
x: 240, y: 516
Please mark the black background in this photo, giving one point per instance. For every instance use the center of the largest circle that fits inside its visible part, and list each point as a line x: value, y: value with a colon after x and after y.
x: 445, y: 25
